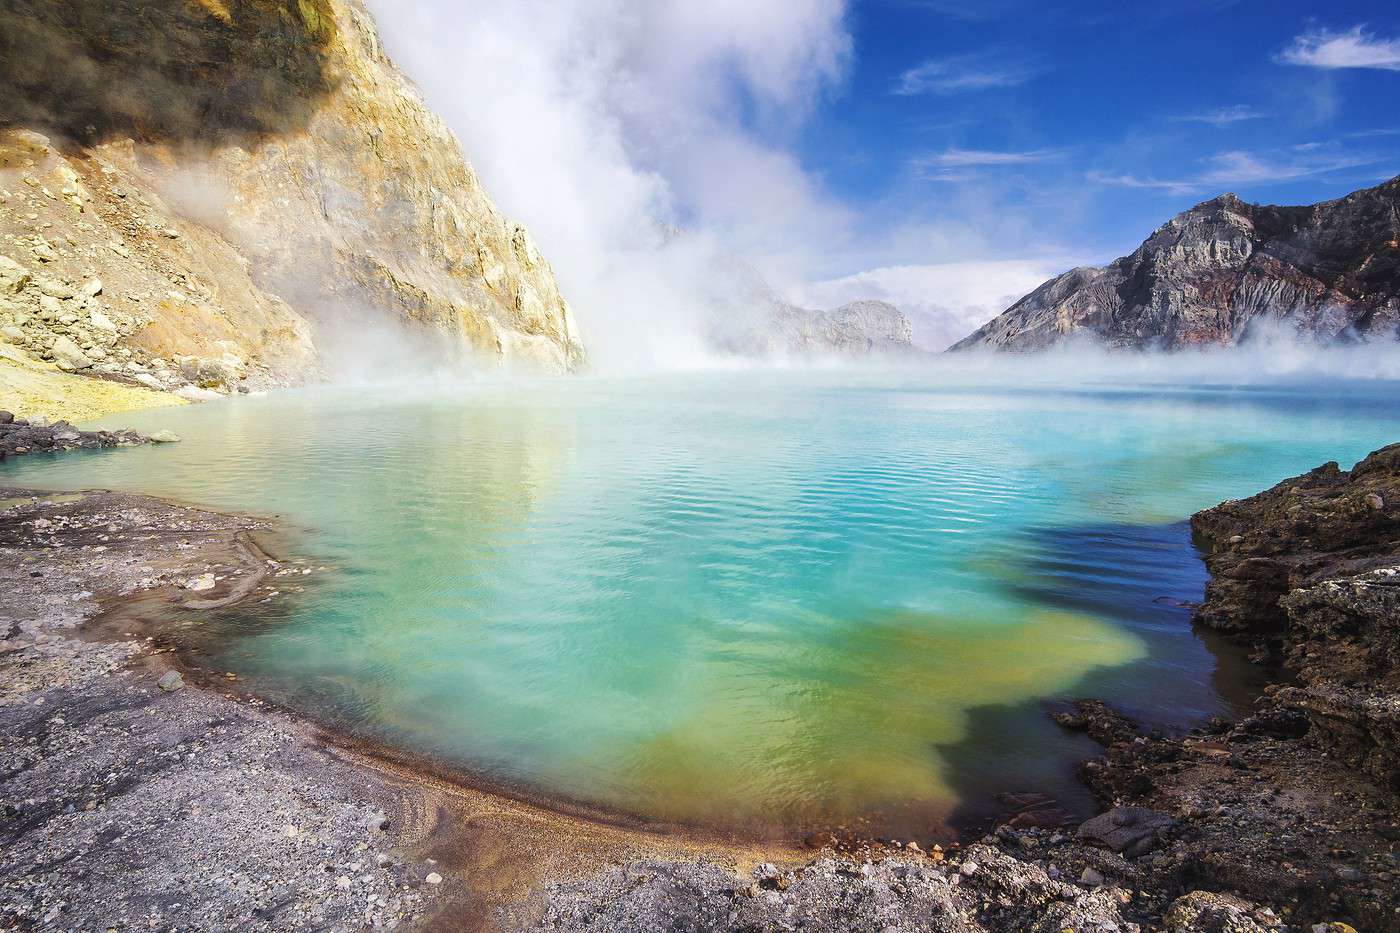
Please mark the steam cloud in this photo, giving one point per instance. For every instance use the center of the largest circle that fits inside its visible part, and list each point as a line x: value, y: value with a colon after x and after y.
x: 641, y: 143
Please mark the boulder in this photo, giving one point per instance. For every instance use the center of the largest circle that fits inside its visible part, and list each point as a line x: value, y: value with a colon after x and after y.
x: 13, y: 276
x: 1208, y: 912
x: 69, y: 356
x: 1131, y: 830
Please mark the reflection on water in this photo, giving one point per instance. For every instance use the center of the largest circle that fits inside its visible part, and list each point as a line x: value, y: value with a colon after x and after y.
x: 756, y: 601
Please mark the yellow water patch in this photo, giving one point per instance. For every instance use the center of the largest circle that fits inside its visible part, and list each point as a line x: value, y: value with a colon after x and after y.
x: 29, y: 387
x: 857, y: 722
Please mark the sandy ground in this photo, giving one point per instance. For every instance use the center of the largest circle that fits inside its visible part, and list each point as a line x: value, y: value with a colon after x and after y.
x: 30, y: 387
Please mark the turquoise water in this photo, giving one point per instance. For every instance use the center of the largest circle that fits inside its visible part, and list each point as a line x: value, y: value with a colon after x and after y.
x: 766, y: 602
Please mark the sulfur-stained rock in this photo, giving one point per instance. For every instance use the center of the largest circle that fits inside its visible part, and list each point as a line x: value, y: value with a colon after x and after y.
x: 69, y: 356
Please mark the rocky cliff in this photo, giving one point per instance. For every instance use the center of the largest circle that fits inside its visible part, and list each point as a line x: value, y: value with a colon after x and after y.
x: 1219, y: 272
x: 215, y: 192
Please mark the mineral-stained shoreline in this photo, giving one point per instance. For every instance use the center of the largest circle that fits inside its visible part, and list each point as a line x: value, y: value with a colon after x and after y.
x: 130, y: 797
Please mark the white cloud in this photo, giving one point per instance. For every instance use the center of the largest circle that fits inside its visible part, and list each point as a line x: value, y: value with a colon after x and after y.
x: 1354, y: 48
x: 1238, y: 167
x: 960, y: 73
x: 955, y: 157
x: 1223, y: 116
x: 962, y: 165
x: 947, y: 301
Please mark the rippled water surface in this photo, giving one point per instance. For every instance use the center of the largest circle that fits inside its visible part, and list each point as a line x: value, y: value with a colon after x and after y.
x: 767, y: 602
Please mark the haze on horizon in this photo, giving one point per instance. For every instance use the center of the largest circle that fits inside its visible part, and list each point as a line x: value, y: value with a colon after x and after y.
x: 944, y: 157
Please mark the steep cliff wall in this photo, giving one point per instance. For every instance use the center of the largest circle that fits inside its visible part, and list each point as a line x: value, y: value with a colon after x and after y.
x: 1214, y: 274
x: 251, y: 181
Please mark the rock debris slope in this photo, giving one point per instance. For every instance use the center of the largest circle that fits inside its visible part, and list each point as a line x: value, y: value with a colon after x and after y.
x: 1222, y: 271
x: 251, y: 184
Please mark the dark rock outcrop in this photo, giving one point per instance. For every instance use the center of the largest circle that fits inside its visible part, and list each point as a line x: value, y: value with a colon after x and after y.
x: 1308, y: 573
x: 1221, y: 271
x: 22, y: 436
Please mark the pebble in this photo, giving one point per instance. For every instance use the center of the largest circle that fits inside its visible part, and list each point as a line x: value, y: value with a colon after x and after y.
x: 433, y: 878
x: 170, y: 681
x: 1091, y: 877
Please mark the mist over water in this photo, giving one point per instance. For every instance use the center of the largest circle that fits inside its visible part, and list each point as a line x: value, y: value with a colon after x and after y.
x: 763, y: 600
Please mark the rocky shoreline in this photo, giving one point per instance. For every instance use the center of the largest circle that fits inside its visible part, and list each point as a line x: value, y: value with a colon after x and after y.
x: 30, y: 435
x: 130, y: 798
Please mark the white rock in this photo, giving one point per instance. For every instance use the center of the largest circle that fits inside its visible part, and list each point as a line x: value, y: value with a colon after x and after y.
x: 433, y: 878
x: 69, y: 356
x: 101, y: 321
x: 200, y: 583
x: 196, y: 394
x: 93, y: 288
x: 165, y: 437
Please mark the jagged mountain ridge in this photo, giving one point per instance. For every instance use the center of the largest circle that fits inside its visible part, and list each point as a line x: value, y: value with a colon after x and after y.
x: 1218, y: 272
x: 249, y: 181
x: 749, y: 317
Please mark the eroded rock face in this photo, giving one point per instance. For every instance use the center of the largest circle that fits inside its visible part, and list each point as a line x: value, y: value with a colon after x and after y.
x: 1224, y: 269
x: 1309, y: 573
x: 250, y: 180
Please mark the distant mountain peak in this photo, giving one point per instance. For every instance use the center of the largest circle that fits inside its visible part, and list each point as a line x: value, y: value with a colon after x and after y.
x: 1214, y: 274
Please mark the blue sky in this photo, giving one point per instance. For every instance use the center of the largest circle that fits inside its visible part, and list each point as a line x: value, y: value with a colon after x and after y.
x: 1097, y: 121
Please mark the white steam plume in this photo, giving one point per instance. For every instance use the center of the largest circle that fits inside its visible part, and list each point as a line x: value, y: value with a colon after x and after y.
x: 607, y: 126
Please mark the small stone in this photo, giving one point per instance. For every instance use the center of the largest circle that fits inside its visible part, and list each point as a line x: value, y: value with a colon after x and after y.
x: 170, y: 681
x: 1091, y: 877
x: 199, y: 584
x: 7, y: 417
x: 1375, y: 501
x: 433, y: 878
x: 767, y: 874
x: 93, y: 288
x: 165, y: 437
x: 969, y: 869
x: 343, y: 883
